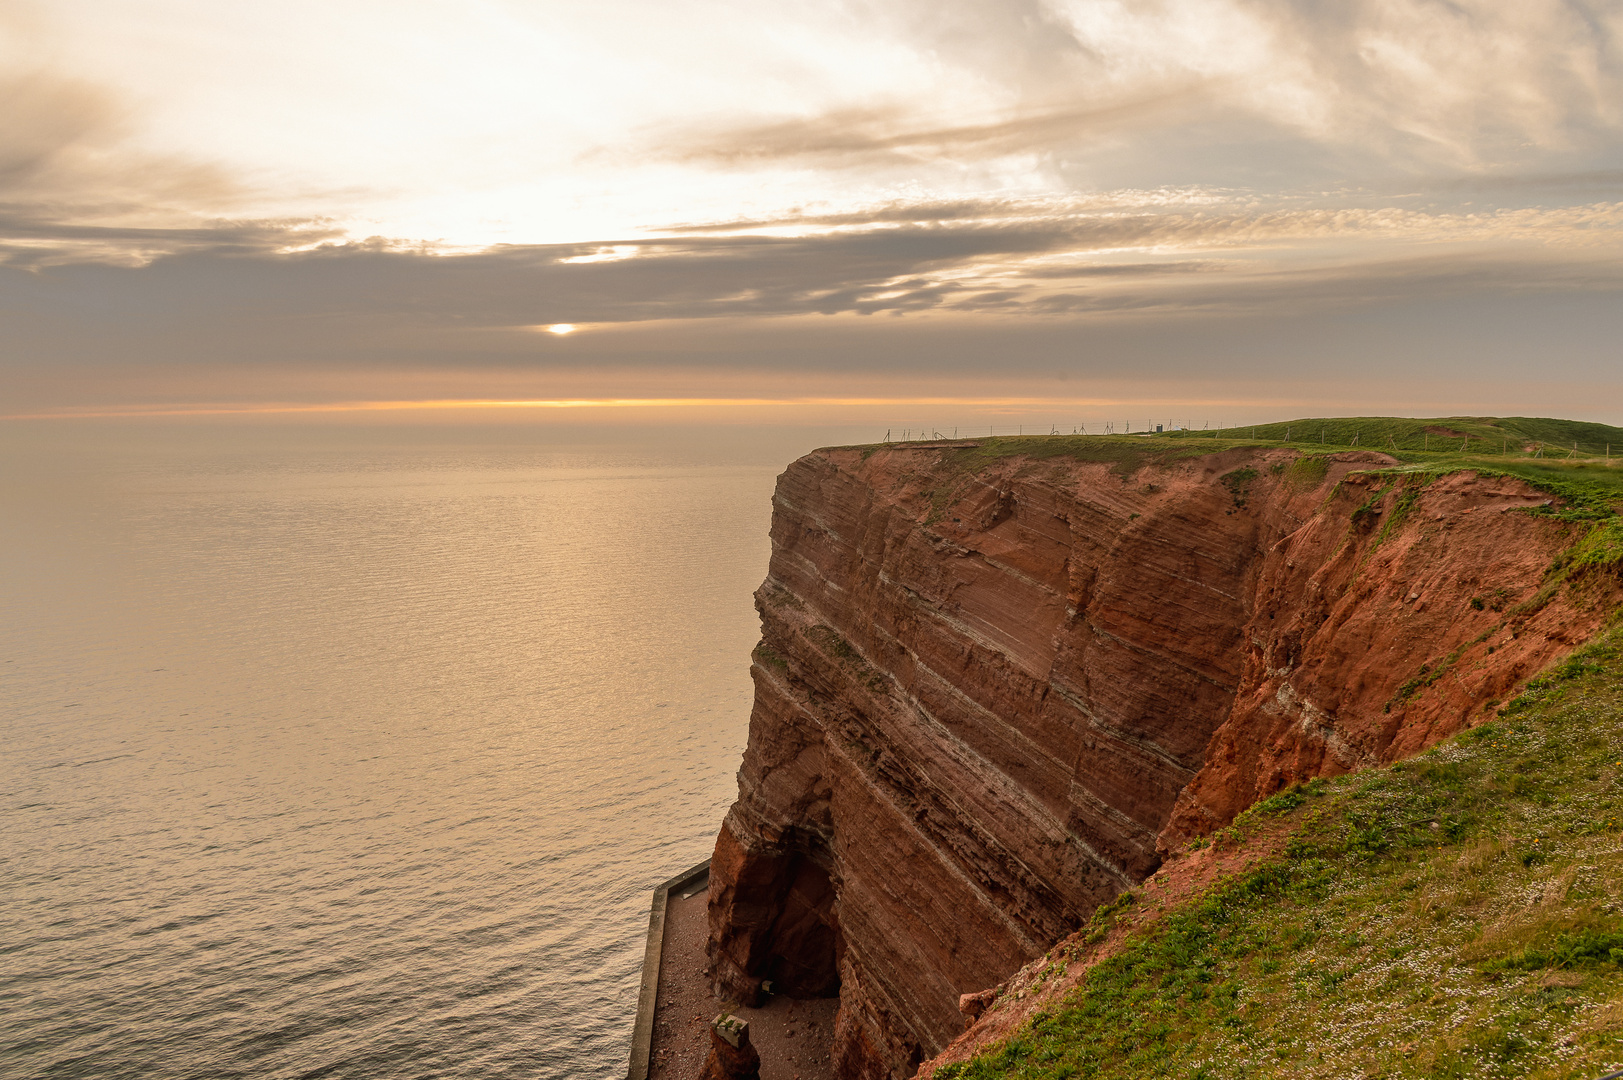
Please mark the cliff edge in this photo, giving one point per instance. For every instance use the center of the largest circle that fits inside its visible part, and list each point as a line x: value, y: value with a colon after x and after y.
x: 998, y: 682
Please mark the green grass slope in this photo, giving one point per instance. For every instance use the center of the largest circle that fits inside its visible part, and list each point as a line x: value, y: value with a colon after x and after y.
x: 1483, y: 435
x: 1459, y: 914
x: 1579, y: 463
x: 1555, y: 454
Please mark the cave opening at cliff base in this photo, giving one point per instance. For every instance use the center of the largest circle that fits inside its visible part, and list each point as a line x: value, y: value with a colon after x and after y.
x: 804, y: 951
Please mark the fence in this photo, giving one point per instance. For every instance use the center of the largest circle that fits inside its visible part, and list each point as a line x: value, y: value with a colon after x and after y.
x: 930, y: 433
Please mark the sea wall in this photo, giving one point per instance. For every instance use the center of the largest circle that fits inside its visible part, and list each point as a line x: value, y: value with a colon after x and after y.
x: 996, y: 683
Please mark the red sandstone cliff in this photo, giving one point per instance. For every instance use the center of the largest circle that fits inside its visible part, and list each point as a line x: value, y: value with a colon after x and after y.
x: 989, y: 687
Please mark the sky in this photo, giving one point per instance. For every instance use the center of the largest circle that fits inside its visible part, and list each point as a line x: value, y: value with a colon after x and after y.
x: 1219, y: 208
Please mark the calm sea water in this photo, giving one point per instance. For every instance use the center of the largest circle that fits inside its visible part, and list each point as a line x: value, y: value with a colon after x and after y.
x: 358, y: 759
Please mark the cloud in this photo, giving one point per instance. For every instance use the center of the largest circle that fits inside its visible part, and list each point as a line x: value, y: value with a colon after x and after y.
x: 73, y: 183
x: 831, y: 103
x: 1481, y: 85
x: 853, y: 137
x: 33, y: 236
x: 1035, y: 167
x: 241, y: 293
x: 61, y: 144
x: 1090, y: 92
x: 42, y: 120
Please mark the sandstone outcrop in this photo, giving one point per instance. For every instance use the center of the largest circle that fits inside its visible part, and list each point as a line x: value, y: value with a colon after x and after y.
x: 732, y: 1056
x: 994, y: 687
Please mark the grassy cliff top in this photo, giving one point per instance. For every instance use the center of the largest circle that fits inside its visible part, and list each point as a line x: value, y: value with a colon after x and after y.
x: 1518, y: 436
x: 1582, y: 463
x: 1459, y: 914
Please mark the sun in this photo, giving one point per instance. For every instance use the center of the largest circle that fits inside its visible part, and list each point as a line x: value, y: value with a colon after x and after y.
x: 561, y: 328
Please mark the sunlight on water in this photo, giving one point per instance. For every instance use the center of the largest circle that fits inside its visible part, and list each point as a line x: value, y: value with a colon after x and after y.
x: 358, y: 762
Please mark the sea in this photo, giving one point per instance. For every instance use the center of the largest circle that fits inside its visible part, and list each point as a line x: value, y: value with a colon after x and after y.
x: 356, y: 752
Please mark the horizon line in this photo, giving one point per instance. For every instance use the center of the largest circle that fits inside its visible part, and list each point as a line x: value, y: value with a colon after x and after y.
x: 445, y: 404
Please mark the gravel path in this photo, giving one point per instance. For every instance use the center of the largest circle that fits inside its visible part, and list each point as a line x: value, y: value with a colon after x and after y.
x: 793, y: 1037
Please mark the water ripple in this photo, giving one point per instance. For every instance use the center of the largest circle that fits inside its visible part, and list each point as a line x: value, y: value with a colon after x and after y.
x: 358, y: 766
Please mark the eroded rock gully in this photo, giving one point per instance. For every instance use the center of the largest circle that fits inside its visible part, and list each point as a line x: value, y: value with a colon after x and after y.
x: 990, y: 689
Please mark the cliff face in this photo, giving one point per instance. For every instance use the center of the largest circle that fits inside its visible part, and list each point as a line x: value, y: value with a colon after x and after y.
x: 990, y: 690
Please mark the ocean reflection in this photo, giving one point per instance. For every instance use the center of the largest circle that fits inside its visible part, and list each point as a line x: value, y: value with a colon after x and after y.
x: 358, y: 762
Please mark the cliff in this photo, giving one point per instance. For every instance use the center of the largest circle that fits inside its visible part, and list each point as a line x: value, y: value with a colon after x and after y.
x: 997, y: 683
x: 1459, y: 913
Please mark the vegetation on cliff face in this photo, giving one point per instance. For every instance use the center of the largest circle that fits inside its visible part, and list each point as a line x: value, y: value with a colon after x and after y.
x: 1579, y: 463
x: 1507, y: 436
x: 1459, y: 914
x: 1575, y: 461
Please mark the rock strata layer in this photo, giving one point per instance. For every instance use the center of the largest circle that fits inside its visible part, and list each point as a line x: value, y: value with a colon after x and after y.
x: 992, y: 689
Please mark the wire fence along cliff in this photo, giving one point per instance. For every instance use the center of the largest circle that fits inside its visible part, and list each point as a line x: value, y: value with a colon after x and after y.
x: 930, y: 433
